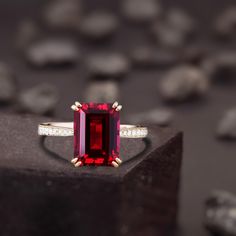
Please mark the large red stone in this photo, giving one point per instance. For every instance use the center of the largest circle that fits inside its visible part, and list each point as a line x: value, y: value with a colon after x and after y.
x: 96, y: 134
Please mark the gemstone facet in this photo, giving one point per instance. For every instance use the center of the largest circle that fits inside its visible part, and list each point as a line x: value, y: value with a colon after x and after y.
x: 96, y: 134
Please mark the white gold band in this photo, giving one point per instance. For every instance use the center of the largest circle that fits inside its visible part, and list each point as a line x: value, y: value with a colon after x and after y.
x: 67, y: 129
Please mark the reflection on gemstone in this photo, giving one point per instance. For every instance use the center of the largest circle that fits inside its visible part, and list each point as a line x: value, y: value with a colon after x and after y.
x: 96, y: 134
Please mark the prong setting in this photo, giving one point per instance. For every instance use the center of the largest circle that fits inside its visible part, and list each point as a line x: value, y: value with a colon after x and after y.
x: 118, y: 108
x: 78, y: 104
x: 118, y: 160
x: 74, y: 160
x: 115, y: 105
x: 77, y: 164
x: 74, y: 108
x: 115, y: 164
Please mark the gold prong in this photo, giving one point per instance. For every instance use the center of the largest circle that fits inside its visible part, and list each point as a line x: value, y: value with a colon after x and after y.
x: 115, y: 164
x: 74, y: 160
x: 119, y: 107
x: 78, y: 104
x: 118, y: 160
x: 115, y: 105
x: 77, y: 164
x: 74, y: 108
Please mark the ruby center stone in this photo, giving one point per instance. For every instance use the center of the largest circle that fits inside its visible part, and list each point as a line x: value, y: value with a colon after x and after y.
x: 96, y: 134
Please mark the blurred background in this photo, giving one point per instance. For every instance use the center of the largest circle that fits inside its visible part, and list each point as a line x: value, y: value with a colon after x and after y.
x: 172, y: 63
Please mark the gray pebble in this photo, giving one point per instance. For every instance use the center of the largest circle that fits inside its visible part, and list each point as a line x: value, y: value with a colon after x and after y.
x: 52, y: 52
x: 210, y: 66
x: 226, y: 22
x: 180, y: 20
x: 141, y: 11
x: 221, y: 64
x: 175, y: 29
x: 98, y: 25
x: 7, y: 84
x: 62, y: 14
x: 168, y: 36
x: 183, y: 82
x: 160, y: 116
x: 227, y: 126
x: 194, y: 53
x: 153, y: 57
x: 102, y: 91
x: 27, y: 32
x: 220, y: 213
x: 40, y: 100
x: 111, y: 65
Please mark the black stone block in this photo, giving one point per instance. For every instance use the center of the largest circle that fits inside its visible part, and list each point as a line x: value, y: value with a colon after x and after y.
x: 41, y: 193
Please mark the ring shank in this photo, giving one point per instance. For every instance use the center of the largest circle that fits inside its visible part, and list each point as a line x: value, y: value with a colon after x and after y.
x: 67, y: 129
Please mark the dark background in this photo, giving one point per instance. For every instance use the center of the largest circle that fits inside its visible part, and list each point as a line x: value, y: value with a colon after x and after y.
x: 208, y: 163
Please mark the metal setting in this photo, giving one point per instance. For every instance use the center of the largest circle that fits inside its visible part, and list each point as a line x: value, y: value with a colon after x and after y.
x: 118, y: 160
x: 74, y: 108
x: 67, y: 129
x: 115, y: 105
x: 115, y: 164
x: 74, y: 160
x: 78, y: 104
x: 78, y: 164
x: 119, y: 107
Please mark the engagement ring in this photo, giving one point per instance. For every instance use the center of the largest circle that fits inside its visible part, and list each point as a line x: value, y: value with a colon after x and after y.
x: 97, y: 132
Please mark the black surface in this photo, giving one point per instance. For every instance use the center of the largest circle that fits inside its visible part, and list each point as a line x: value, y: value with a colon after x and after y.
x: 138, y: 198
x: 208, y: 163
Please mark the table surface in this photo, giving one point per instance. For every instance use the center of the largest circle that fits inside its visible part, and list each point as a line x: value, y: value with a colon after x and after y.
x: 208, y: 163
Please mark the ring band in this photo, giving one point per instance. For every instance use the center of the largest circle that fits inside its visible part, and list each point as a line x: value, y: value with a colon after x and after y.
x: 67, y: 129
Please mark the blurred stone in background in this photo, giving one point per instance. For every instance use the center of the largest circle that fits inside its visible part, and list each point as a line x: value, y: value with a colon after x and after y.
x: 225, y: 25
x: 98, y: 25
x: 194, y: 53
x: 150, y: 57
x: 102, y: 91
x: 41, y: 99
x: 183, y: 82
x: 28, y: 31
x: 107, y: 64
x: 140, y: 11
x: 167, y: 36
x: 220, y: 213
x: 159, y: 116
x: 180, y: 20
x: 227, y: 126
x: 62, y: 14
x: 52, y: 52
x: 7, y: 84
x: 175, y: 29
x: 221, y: 65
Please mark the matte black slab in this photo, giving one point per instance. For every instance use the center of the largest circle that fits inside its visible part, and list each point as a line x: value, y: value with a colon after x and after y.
x: 41, y: 193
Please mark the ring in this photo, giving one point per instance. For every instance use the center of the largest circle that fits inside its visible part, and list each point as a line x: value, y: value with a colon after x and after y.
x: 97, y: 132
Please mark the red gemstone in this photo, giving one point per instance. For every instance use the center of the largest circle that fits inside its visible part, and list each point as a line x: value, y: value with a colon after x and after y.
x: 96, y: 134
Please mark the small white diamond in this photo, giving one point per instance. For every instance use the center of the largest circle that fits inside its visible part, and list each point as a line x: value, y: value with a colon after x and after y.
x: 125, y: 133
x: 134, y: 132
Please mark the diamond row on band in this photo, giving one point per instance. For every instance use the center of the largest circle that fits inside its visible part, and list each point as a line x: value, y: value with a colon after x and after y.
x: 54, y: 131
x: 136, y: 132
x: 133, y: 132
